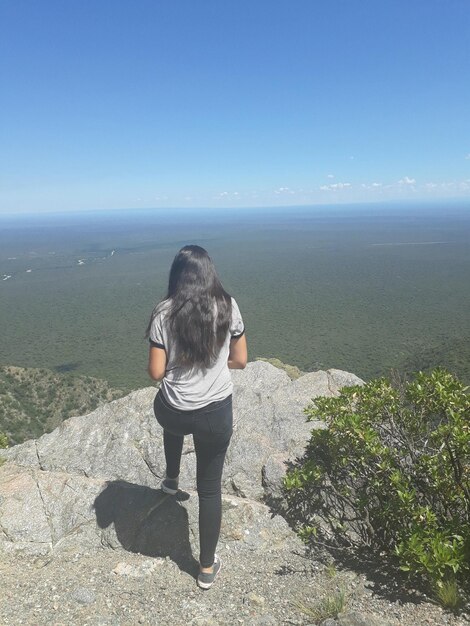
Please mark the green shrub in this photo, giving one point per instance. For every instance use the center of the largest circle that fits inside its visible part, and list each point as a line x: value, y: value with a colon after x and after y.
x: 391, y: 472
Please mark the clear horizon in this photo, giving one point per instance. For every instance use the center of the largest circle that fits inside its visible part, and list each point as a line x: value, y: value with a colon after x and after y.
x: 414, y: 203
x: 410, y: 206
x: 214, y: 105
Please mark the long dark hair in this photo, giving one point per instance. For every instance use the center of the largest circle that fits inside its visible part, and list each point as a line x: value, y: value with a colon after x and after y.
x: 200, y: 310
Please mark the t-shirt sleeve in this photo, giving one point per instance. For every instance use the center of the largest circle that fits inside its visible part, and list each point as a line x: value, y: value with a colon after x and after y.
x: 237, y: 327
x: 156, y: 332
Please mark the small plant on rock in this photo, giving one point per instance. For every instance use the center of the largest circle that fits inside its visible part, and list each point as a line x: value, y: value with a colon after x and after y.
x: 391, y: 472
x: 448, y: 594
x: 330, y: 605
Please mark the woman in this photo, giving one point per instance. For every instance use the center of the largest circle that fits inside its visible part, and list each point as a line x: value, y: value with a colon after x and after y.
x: 196, y: 335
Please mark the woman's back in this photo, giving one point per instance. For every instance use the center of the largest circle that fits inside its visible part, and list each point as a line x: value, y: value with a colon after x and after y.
x: 191, y: 387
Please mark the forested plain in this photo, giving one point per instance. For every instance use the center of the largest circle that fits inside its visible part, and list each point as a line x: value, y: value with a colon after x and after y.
x: 368, y: 289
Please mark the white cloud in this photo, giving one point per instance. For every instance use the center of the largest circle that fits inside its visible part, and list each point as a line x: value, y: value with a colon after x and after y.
x: 330, y: 176
x: 227, y: 194
x: 406, y: 180
x: 467, y: 156
x: 451, y: 185
x: 335, y: 186
x: 371, y: 185
x: 284, y: 190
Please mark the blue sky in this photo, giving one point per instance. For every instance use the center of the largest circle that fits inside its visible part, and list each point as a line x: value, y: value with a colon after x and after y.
x: 149, y: 103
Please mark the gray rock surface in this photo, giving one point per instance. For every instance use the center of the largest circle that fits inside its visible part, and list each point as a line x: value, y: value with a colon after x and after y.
x: 45, y: 511
x: 357, y: 619
x: 122, y: 440
x: 93, y: 479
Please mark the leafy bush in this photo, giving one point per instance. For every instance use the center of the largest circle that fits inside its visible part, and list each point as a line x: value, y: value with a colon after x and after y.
x: 391, y: 472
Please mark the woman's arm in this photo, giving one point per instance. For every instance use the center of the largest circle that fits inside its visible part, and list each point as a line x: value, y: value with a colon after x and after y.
x: 157, y: 363
x: 238, y: 355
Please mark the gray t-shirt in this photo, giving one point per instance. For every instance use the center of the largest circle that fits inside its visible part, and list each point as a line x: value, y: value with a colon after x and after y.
x: 189, y: 388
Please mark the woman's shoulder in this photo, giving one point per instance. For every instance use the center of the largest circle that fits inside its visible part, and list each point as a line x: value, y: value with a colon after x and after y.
x: 234, y: 303
x: 162, y: 307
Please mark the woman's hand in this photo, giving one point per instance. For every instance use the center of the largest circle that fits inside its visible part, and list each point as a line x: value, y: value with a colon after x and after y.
x: 238, y: 355
x: 157, y: 363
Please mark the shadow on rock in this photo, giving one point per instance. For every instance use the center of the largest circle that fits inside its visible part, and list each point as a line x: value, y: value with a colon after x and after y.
x: 147, y: 521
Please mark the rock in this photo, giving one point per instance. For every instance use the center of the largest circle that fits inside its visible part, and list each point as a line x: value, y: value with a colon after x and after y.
x: 44, y: 511
x: 40, y: 510
x: 329, y: 622
x: 256, y: 600
x: 83, y: 499
x: 122, y: 440
x: 116, y: 441
x: 145, y: 568
x: 339, y: 379
x: 272, y: 474
x: 91, y: 482
x: 91, y: 485
x: 264, y: 620
x: 270, y: 425
x: 355, y: 618
x: 82, y: 595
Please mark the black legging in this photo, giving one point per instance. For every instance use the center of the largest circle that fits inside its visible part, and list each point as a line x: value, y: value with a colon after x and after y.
x: 211, y: 427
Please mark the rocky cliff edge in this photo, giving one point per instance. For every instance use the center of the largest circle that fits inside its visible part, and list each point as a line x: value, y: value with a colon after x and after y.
x: 88, y: 538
